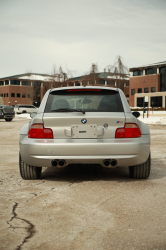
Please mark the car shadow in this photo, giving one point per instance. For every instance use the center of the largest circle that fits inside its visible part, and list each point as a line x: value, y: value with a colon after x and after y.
x: 89, y: 172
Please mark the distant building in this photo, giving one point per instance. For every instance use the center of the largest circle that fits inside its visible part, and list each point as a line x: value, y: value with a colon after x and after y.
x: 22, y: 89
x: 148, y: 80
x: 29, y: 88
x: 106, y: 79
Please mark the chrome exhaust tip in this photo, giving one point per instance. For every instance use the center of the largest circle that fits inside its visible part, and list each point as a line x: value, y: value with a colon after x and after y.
x: 54, y: 163
x: 62, y: 163
x: 106, y: 163
x: 110, y: 163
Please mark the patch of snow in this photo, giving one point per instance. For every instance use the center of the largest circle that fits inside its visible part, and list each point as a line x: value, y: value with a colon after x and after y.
x: 27, y: 116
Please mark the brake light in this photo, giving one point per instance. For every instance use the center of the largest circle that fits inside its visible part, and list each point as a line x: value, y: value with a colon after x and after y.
x: 83, y: 90
x: 130, y: 130
x: 38, y: 131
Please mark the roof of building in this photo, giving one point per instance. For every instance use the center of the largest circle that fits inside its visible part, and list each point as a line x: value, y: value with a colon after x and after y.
x: 104, y: 75
x: 28, y: 76
x: 159, y: 64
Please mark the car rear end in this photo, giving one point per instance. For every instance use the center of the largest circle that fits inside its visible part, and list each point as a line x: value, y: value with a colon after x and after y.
x: 83, y: 125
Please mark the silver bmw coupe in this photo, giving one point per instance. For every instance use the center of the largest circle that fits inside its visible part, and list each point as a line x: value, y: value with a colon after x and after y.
x: 84, y: 125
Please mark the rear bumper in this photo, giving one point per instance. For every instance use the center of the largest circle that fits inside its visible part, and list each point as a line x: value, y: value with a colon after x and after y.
x: 127, y: 152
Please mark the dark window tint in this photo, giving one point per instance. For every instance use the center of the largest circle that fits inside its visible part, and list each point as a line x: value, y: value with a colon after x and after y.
x: 12, y: 94
x: 162, y: 70
x: 26, y: 83
x: 146, y: 90
x: 139, y: 90
x: 85, y: 99
x: 18, y: 94
x: 140, y: 101
x: 153, y: 89
x: 23, y: 95
x: 151, y: 71
x: 1, y: 83
x: 132, y: 91
x: 6, y: 82
x: 15, y: 82
x: 163, y: 79
x: 138, y: 73
x: 156, y: 101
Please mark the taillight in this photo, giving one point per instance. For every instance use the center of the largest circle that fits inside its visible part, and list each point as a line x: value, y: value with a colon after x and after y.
x: 130, y: 130
x: 38, y: 131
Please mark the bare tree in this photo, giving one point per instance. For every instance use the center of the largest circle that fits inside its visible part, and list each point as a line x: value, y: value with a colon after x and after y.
x: 119, y: 72
x: 59, y: 78
x: 91, y: 77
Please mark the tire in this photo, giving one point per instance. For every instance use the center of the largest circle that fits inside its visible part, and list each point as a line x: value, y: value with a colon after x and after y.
x: 29, y: 172
x: 24, y: 111
x: 141, y: 171
x: 8, y: 119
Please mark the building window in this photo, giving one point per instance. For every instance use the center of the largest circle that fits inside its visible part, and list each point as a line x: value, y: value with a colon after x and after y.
x: 151, y: 71
x: 23, y: 95
x: 12, y: 94
x: 1, y: 95
x: 139, y: 90
x: 146, y: 90
x: 6, y: 95
x: 162, y: 70
x: 140, y: 101
x: 132, y: 91
x: 6, y: 82
x: 26, y: 83
x: 163, y: 79
x: 18, y: 94
x: 153, y: 89
x: 1, y: 83
x: 103, y: 82
x: 156, y: 101
x: 138, y: 73
x: 15, y: 82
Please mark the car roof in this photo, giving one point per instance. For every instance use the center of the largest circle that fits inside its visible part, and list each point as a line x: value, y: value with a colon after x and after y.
x: 86, y: 87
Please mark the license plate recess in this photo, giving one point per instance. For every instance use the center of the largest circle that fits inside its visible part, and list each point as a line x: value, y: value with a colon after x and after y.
x: 84, y: 131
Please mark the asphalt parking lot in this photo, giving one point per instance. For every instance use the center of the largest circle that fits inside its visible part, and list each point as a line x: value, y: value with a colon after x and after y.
x: 81, y: 207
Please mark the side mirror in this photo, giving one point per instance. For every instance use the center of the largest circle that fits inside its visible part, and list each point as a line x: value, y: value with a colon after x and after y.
x: 33, y: 114
x: 136, y: 114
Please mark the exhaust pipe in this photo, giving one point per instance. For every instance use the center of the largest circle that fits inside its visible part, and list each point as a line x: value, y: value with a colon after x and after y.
x: 62, y: 163
x: 110, y: 163
x: 55, y: 163
x: 113, y: 163
x: 107, y: 163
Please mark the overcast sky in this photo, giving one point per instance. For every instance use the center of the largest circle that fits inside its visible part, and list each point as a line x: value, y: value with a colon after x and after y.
x: 36, y: 34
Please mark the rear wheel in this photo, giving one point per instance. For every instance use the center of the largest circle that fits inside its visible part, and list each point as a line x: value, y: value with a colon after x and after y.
x: 141, y: 171
x: 8, y: 119
x: 28, y: 172
x: 24, y: 111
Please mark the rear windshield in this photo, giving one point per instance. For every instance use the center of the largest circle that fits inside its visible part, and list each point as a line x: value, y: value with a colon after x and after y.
x: 89, y: 100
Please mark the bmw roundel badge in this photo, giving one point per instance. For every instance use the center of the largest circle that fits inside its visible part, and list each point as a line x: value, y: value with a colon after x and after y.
x: 84, y: 121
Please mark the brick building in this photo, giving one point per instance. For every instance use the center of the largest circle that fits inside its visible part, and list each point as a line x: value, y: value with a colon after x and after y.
x: 29, y: 88
x: 107, y: 79
x: 22, y: 89
x: 148, y: 80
